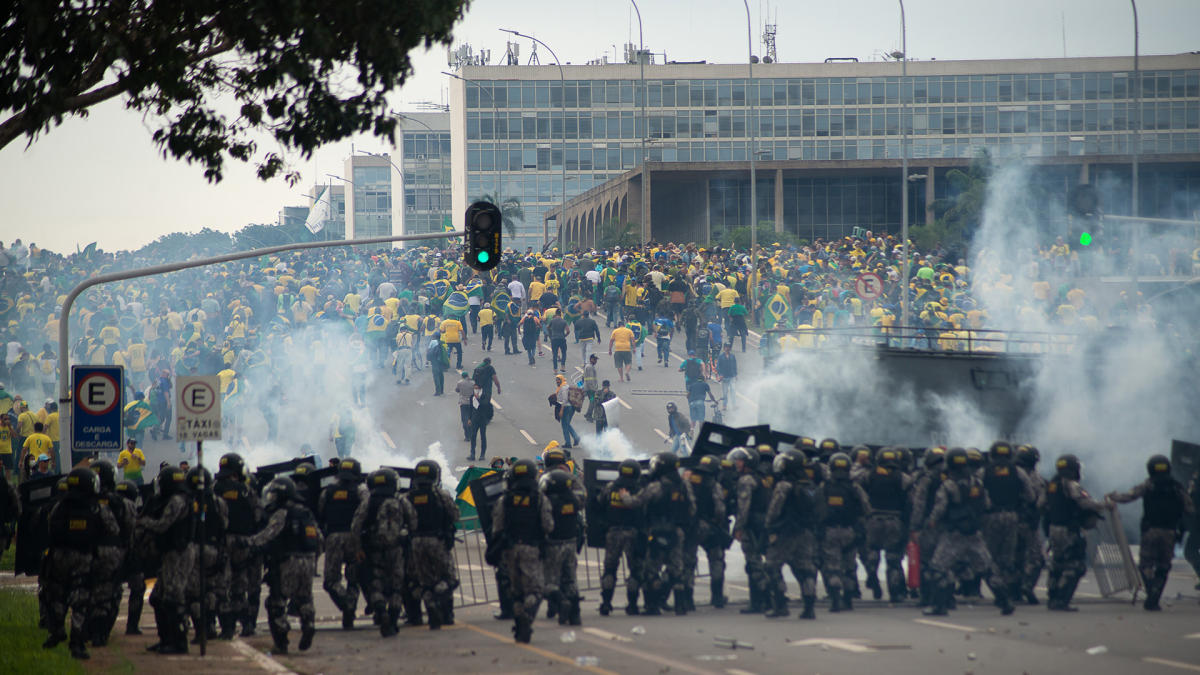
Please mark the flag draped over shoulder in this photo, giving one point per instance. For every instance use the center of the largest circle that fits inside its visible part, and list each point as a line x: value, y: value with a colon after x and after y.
x: 437, y: 289
x: 500, y: 300
x: 778, y: 310
x: 139, y: 416
x: 463, y: 497
x: 455, y: 305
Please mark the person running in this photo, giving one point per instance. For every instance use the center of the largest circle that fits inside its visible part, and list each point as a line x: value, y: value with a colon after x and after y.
x: 530, y: 329
x: 620, y: 347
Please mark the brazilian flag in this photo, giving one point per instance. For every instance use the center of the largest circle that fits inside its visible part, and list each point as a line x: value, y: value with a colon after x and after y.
x: 514, y: 308
x: 474, y: 288
x: 572, y: 312
x: 455, y: 305
x: 437, y: 289
x: 452, y: 268
x: 463, y: 497
x: 778, y: 310
x: 139, y: 416
x: 500, y: 301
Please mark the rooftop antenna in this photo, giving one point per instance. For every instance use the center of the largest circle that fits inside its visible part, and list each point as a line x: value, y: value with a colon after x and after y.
x: 769, y: 42
x: 1064, y: 33
x: 512, y: 54
x: 533, y: 57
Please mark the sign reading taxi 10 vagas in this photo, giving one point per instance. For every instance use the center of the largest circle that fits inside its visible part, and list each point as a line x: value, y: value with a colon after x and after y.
x: 198, y: 408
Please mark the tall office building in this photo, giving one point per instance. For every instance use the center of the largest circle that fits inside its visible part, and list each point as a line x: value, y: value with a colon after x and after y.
x: 370, y: 183
x: 829, y: 139
x: 424, y: 143
x: 331, y: 197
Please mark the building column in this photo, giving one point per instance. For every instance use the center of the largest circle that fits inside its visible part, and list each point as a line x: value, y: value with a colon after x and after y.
x: 778, y: 200
x: 646, y: 201
x: 930, y: 191
x: 1085, y: 171
x: 708, y: 212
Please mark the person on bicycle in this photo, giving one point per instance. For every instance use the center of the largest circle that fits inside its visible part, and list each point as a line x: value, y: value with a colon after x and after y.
x: 697, y: 391
x: 679, y: 428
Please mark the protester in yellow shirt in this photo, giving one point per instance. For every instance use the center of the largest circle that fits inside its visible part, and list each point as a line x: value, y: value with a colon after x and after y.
x: 453, y: 338
x: 487, y: 321
x: 6, y: 443
x: 36, y: 444
x: 132, y: 461
x: 620, y: 346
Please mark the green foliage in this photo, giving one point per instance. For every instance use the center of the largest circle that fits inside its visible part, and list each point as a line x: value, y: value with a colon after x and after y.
x: 613, y: 233
x: 8, y: 560
x: 959, y: 216
x: 262, y: 236
x: 511, y: 210
x: 21, y: 639
x: 183, y: 245
x: 739, y: 237
x: 306, y: 73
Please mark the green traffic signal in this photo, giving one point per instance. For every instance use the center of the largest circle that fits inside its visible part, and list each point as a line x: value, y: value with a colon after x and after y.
x: 482, y: 257
x: 1085, y: 239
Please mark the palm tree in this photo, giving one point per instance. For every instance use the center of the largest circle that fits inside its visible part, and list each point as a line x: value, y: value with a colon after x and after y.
x: 511, y: 210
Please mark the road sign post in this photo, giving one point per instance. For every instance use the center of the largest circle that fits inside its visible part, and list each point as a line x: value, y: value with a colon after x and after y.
x: 96, y: 425
x: 869, y: 286
x: 198, y: 407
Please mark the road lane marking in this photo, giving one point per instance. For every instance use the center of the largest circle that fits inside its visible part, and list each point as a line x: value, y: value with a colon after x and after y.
x: 387, y: 439
x: 736, y: 671
x: 661, y: 433
x: 260, y: 659
x: 944, y: 624
x: 740, y: 588
x: 496, y: 403
x: 1077, y: 594
x: 646, y: 656
x: 844, y: 644
x: 1173, y: 664
x: 1193, y: 636
x: 623, y: 403
x: 527, y: 436
x: 607, y: 635
x: 537, y: 650
x: 747, y: 399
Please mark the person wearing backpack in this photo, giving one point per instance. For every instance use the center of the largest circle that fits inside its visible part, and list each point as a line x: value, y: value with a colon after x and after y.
x: 612, y: 305
x: 570, y: 400
x: 439, y: 362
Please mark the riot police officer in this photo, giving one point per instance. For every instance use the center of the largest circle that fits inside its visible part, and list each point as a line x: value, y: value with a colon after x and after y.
x: 521, y: 519
x: 843, y: 504
x: 791, y: 532
x: 1011, y: 494
x: 669, y: 506
x: 134, y: 574
x: 77, y: 524
x: 110, y: 557
x: 622, y: 538
x: 1029, y: 555
x: 211, y: 557
x: 1068, y: 511
x: 959, y: 506
x: 245, y: 568
x: 1166, y: 507
x: 563, y: 544
x: 749, y: 527
x: 172, y: 524
x: 292, y: 542
x: 923, y: 531
x: 382, y: 525
x: 887, y: 489
x: 711, y: 531
x: 434, y: 575
x: 335, y: 512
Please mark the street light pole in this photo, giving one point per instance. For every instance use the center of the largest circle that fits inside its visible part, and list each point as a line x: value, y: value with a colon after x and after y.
x: 345, y: 233
x: 495, y: 140
x: 1136, y: 150
x: 562, y: 209
x: 751, y: 281
x: 905, y: 270
x: 645, y: 120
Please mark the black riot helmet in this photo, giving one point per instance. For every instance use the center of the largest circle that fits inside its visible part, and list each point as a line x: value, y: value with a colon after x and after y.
x: 888, y: 458
x: 1028, y: 457
x: 279, y: 492
x: 171, y: 480
x: 427, y: 473
x: 82, y: 483
x: 663, y: 464
x: 709, y: 465
x: 558, y: 481
x: 107, y: 473
x: 766, y: 454
x: 127, y: 489
x: 839, y: 466
x: 303, y: 469
x: 1000, y: 453
x: 1159, y: 467
x: 1068, y: 466
x: 194, y: 476
x: 789, y: 464
x: 383, y: 482
x: 862, y: 455
x: 957, y: 460
x: 742, y: 455
x: 827, y: 447
x: 349, y: 470
x: 554, y: 457
x: 232, y: 466
x: 629, y: 469
x: 524, y: 473
x: 934, y: 456
x: 974, y: 458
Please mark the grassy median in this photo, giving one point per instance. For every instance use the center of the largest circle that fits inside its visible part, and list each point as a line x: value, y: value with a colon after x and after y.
x: 21, y: 640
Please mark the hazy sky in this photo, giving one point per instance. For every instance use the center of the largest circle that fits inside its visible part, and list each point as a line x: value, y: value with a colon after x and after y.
x: 101, y: 178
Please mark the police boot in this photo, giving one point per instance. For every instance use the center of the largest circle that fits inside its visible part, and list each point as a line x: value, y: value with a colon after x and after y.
x: 134, y: 616
x: 779, y: 606
x: 1065, y: 593
x: 228, y: 625
x: 564, y: 608
x: 553, y: 600
x: 809, y: 604
x: 78, y: 648
x: 1003, y: 601
x: 717, y: 591
x: 280, y: 638
x: 96, y: 630
x: 1154, y: 591
x: 681, y: 605
x: 249, y: 619
x: 175, y: 637
x: 575, y: 619
x: 379, y: 615
x: 653, y: 602
x: 923, y: 598
x: 523, y: 630
x: 689, y: 599
x: 631, y: 595
x: 938, y: 601
x: 756, y: 602
x: 447, y: 607
x: 412, y: 612
x: 54, y: 639
x: 160, y: 623
x: 848, y: 600
x: 434, y: 613
x: 873, y: 584
x: 307, y: 632
x: 606, y: 596
x: 835, y: 599
x: 393, y: 618
x: 897, y: 593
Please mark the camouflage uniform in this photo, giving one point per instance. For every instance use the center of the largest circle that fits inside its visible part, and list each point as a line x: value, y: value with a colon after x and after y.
x: 431, y: 566
x: 107, y: 569
x: 922, y: 499
x: 711, y: 534
x: 842, y: 505
x: 173, y: 527
x: 523, y: 517
x: 560, y: 553
x: 1069, y: 510
x: 792, y: 540
x: 959, y: 506
x: 291, y: 561
x: 213, y: 560
x: 669, y: 505
x: 1011, y: 495
x: 245, y: 567
x: 753, y: 494
x: 10, y: 512
x: 887, y: 489
x: 335, y: 509
x: 1029, y: 553
x: 76, y: 525
x: 382, y: 525
x: 622, y: 539
x: 1166, y: 507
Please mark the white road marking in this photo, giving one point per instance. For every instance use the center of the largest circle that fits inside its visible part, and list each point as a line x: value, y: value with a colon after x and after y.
x: 497, y: 404
x: 1078, y: 594
x: 847, y: 645
x: 1193, y: 636
x: 736, y: 671
x: 260, y: 659
x: 623, y: 403
x: 527, y: 437
x: 387, y: 439
x: 757, y: 335
x: 740, y: 588
x: 607, y: 635
x: 944, y: 624
x: 1173, y: 664
x: 661, y: 433
x: 747, y: 399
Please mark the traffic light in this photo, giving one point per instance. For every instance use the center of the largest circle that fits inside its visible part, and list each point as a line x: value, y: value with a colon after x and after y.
x: 484, y: 229
x: 1084, y: 203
